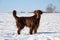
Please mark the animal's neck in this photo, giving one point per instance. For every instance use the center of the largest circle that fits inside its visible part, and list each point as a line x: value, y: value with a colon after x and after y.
x: 37, y: 19
x: 37, y: 16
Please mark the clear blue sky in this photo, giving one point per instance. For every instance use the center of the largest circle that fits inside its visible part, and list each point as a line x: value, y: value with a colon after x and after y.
x: 27, y: 5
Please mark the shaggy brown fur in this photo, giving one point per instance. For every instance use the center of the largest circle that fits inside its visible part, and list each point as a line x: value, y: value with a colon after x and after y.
x: 31, y: 22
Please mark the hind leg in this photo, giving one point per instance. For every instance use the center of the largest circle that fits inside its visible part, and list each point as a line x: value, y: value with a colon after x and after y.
x: 19, y: 26
x: 19, y: 29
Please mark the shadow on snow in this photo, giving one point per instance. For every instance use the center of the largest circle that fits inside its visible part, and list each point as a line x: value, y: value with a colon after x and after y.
x: 48, y: 32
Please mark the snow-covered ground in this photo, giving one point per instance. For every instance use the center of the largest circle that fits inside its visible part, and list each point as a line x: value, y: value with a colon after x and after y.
x: 49, y: 28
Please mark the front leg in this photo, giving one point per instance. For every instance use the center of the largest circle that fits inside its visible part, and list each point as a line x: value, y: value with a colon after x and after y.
x: 35, y: 29
x: 31, y: 30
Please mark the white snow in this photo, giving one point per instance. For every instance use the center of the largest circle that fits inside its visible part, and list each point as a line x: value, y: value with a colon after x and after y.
x: 49, y: 28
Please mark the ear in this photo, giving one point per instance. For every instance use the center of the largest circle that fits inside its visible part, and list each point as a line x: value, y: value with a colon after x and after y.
x: 34, y: 12
x: 40, y: 11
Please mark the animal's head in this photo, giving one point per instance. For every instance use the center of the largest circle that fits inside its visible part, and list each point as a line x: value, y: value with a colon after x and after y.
x: 38, y: 13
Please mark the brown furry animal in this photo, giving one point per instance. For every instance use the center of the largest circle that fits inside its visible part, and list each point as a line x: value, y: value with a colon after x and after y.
x: 31, y: 22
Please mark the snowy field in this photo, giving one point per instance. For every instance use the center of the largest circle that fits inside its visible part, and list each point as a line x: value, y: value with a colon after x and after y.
x: 49, y: 28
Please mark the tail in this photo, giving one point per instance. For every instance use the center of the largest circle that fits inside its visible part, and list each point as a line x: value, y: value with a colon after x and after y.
x: 14, y: 14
